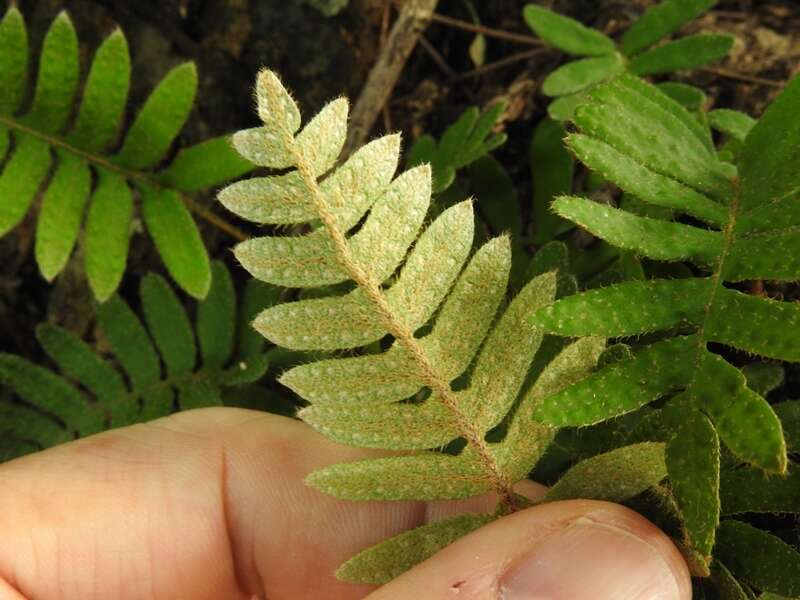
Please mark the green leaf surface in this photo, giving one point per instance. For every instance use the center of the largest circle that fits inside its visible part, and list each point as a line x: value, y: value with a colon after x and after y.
x: 108, y: 226
x: 659, y: 21
x: 686, y: 53
x: 385, y: 561
x: 21, y: 177
x: 619, y: 388
x: 61, y: 214
x: 580, y: 74
x: 648, y: 237
x: 769, y: 165
x: 647, y: 185
x: 762, y: 378
x: 160, y: 119
x: 169, y: 325
x: 216, y: 318
x: 692, y: 458
x: 566, y: 34
x: 57, y: 81
x: 789, y: 414
x: 50, y: 393
x: 751, y: 490
x: 628, y: 308
x: 690, y: 97
x: 104, y: 96
x: 731, y: 122
x: 759, y: 558
x: 726, y: 586
x: 425, y: 476
x: 13, y: 60
x: 350, y: 320
x: 205, y: 165
x: 76, y: 359
x: 177, y: 239
x: 614, y: 476
x: 552, y: 169
x: 527, y: 440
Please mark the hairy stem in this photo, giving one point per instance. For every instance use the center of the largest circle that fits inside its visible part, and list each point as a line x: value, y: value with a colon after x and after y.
x: 366, y: 281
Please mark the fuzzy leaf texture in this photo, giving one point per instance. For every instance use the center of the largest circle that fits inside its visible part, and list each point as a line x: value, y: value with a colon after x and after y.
x: 605, y: 59
x: 745, y: 227
x: 420, y: 292
x: 43, y: 151
x: 160, y: 364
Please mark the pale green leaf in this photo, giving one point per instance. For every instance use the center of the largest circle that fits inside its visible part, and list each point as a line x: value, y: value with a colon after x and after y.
x: 284, y: 111
x: 527, y: 440
x: 349, y: 191
x: 382, y: 241
x: 351, y: 320
x: 385, y: 561
x: 690, y: 97
x: 566, y: 34
x: 425, y: 476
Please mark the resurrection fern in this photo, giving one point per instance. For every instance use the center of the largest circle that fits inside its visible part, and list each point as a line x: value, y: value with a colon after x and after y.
x: 446, y: 366
x: 734, y: 222
x: 76, y: 166
x: 156, y: 369
x: 635, y: 54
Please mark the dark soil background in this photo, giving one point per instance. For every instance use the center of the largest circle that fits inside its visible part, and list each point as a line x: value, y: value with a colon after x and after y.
x: 321, y: 57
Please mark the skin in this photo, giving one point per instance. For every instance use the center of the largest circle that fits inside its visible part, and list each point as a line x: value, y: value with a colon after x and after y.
x: 211, y: 504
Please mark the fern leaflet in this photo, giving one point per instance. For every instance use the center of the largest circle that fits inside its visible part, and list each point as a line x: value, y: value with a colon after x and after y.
x: 43, y: 139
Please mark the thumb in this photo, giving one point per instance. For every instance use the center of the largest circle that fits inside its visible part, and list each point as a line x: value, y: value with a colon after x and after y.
x: 571, y: 550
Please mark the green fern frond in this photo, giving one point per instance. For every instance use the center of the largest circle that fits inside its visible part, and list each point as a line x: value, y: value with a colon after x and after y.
x: 636, y: 53
x: 744, y: 226
x: 446, y: 368
x: 160, y: 365
x: 462, y: 143
x: 91, y: 183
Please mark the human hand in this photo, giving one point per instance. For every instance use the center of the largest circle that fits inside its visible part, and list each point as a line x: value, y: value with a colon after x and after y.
x: 211, y: 504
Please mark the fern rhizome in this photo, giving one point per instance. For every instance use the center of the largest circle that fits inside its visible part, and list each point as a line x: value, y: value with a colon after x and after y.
x: 431, y: 352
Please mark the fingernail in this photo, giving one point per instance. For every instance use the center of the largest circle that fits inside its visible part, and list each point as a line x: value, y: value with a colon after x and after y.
x: 591, y: 559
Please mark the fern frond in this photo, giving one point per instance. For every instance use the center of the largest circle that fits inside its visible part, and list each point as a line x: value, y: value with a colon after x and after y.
x: 156, y: 369
x: 634, y: 54
x: 445, y: 368
x: 92, y: 184
x: 745, y: 228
